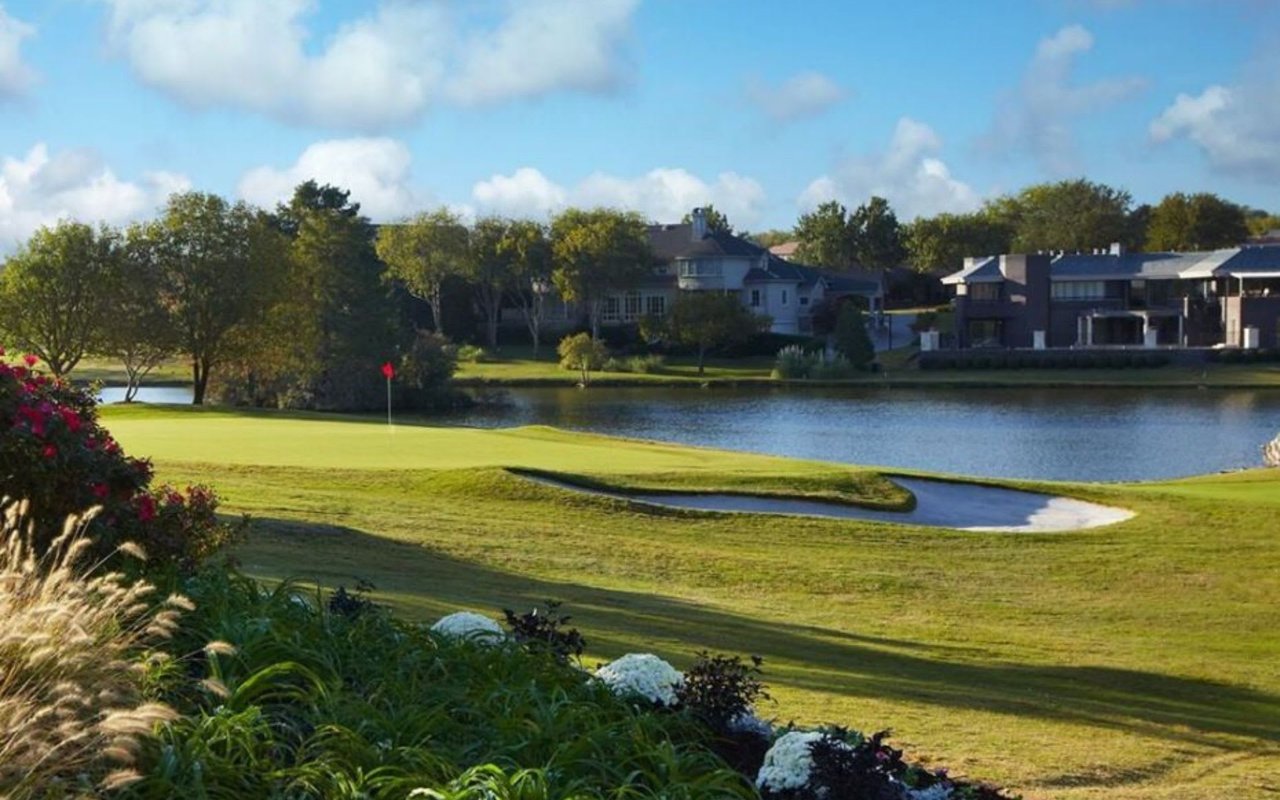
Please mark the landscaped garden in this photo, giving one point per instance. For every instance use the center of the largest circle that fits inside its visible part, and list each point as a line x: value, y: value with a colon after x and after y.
x: 1137, y: 659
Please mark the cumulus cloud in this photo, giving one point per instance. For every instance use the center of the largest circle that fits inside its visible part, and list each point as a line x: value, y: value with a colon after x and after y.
x: 15, y: 76
x: 908, y: 174
x: 1237, y: 127
x: 377, y: 70
x: 40, y: 188
x: 664, y: 195
x: 375, y: 170
x: 804, y: 95
x: 1038, y: 116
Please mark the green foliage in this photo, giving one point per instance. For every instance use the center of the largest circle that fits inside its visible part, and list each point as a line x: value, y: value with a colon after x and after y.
x: 1067, y: 215
x: 877, y: 236
x: 795, y: 363
x: 772, y: 238
x: 851, y: 338
x: 1199, y: 221
x: 54, y: 293
x: 706, y: 321
x: 718, y: 688
x: 473, y: 354
x: 424, y: 251
x: 426, y: 371
x: 826, y: 237
x: 941, y: 243
x: 529, y: 250
x: 1261, y: 223
x: 597, y: 252
x: 716, y: 219
x: 545, y: 630
x: 141, y: 334
x: 582, y: 353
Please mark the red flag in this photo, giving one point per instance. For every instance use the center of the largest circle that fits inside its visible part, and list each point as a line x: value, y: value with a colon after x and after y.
x: 388, y: 371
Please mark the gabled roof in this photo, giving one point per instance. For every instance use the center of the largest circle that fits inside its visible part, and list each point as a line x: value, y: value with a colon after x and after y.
x: 983, y: 270
x: 1250, y: 259
x: 670, y: 242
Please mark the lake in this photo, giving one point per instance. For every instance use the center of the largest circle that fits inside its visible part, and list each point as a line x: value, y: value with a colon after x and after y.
x: 1054, y: 434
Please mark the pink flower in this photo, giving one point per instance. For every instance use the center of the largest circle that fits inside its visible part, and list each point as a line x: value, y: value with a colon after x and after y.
x: 100, y: 491
x: 30, y: 360
x: 146, y: 508
x: 71, y: 419
x: 49, y: 451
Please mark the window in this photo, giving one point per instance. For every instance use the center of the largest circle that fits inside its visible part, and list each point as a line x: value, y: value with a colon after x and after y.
x: 784, y: 297
x: 699, y: 269
x: 755, y: 298
x: 632, y: 308
x: 611, y: 308
x: 804, y: 301
x: 984, y: 291
x: 1078, y: 290
x: 656, y: 305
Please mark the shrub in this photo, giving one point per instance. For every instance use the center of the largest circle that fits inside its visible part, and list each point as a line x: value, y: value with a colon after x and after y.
x: 55, y: 455
x: 836, y: 368
x: 851, y: 338
x: 719, y: 689
x: 581, y: 353
x: 646, y: 364
x: 613, y: 364
x: 793, y: 363
x: 72, y: 713
x: 473, y: 354
x: 546, y: 631
x: 642, y: 675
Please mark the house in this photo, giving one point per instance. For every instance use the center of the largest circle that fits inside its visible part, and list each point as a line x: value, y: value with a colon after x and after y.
x: 689, y: 257
x: 1227, y: 297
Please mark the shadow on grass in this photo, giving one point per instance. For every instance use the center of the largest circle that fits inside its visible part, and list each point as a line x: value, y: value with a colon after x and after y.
x: 424, y: 584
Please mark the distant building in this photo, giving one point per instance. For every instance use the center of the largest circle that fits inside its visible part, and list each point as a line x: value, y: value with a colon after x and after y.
x: 1114, y: 298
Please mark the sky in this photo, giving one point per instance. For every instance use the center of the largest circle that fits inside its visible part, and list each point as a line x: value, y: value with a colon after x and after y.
x: 763, y: 108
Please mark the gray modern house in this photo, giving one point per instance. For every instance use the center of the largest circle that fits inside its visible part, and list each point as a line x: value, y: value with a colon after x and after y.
x: 1113, y: 298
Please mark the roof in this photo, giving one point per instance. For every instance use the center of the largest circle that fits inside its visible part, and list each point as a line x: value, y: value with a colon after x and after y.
x: 1247, y: 260
x: 676, y: 241
x: 788, y: 249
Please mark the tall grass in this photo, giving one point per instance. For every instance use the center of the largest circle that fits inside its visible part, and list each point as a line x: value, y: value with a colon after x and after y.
x: 73, y: 643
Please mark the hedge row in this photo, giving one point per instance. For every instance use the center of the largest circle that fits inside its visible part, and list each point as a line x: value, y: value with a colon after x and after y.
x: 1042, y: 359
x: 1234, y: 356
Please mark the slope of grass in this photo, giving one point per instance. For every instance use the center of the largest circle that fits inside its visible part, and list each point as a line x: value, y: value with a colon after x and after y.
x: 1139, y: 660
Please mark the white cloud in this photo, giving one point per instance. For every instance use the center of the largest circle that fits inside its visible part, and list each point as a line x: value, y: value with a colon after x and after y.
x: 375, y: 171
x: 1038, y: 116
x: 381, y: 69
x: 40, y: 189
x: 15, y: 76
x: 1237, y: 127
x: 804, y: 95
x: 908, y: 174
x: 663, y: 195
x: 543, y: 46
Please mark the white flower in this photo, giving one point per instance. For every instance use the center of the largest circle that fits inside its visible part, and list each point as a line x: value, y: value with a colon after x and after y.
x: 643, y: 674
x: 788, y: 762
x: 938, y: 791
x: 466, y: 625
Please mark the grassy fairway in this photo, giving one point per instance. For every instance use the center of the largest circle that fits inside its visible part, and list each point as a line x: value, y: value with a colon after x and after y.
x: 1140, y: 660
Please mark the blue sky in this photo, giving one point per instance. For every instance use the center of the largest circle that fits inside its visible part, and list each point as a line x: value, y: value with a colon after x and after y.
x: 764, y: 108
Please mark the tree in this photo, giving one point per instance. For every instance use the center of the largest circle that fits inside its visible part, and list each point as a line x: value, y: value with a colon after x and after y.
x: 716, y: 219
x: 826, y: 237
x: 708, y: 320
x: 876, y: 235
x: 1195, y: 222
x: 212, y: 259
x: 529, y: 250
x: 851, y: 338
x: 941, y: 243
x: 598, y: 252
x: 422, y: 252
x: 772, y: 237
x: 1068, y: 215
x: 141, y: 333
x: 52, y: 298
x: 490, y: 269
x: 1260, y: 222
x: 581, y: 352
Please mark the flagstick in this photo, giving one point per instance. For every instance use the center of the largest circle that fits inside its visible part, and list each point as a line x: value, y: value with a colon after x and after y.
x: 388, y: 402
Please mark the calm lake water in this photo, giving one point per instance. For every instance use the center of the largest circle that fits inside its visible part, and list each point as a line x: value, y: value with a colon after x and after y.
x: 1056, y: 434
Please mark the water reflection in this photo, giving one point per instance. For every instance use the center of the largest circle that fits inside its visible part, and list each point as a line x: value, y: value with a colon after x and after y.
x: 147, y: 394
x: 1060, y: 434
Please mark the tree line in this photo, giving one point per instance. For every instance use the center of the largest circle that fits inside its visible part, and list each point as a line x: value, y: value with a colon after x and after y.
x: 1069, y: 215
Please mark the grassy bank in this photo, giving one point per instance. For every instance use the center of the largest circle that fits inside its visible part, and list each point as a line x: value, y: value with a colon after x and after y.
x: 1140, y: 660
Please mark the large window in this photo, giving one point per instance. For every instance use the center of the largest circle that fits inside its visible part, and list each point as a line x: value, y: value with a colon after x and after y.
x: 1078, y: 290
x: 699, y: 269
x: 656, y: 305
x: 632, y: 305
x: 755, y: 298
x: 984, y: 291
x: 610, y: 313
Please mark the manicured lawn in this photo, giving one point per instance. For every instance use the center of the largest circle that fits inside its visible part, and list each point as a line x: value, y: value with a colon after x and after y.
x: 516, y: 364
x: 1140, y: 660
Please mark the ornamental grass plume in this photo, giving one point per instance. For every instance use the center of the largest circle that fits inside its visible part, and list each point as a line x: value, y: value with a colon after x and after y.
x: 73, y: 658
x: 1271, y: 452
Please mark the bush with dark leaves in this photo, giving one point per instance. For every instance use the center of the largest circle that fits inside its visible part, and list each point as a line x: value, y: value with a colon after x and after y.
x: 545, y: 631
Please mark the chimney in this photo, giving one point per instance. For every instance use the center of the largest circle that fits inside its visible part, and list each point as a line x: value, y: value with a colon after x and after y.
x: 1117, y: 249
x: 699, y: 218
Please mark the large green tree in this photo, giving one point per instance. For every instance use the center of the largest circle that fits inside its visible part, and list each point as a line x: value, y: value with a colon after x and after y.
x: 53, y: 298
x: 941, y: 243
x: 716, y: 219
x: 1260, y: 222
x: 705, y: 321
x: 214, y: 260
x: 598, y: 252
x: 876, y: 235
x: 425, y: 251
x: 141, y: 333
x: 826, y: 237
x: 1067, y: 215
x: 526, y: 244
x: 490, y: 269
x: 1200, y: 221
